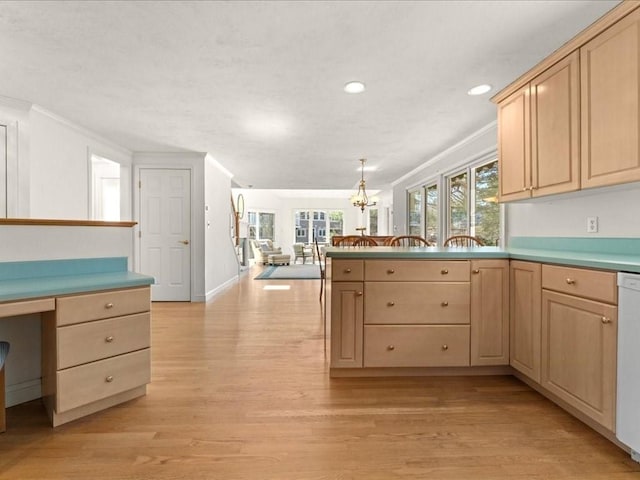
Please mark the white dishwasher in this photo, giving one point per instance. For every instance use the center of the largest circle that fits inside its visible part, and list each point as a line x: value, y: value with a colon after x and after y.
x: 628, y: 397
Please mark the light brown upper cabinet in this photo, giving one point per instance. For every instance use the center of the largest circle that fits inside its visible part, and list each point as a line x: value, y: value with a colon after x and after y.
x: 538, y: 132
x: 610, y: 81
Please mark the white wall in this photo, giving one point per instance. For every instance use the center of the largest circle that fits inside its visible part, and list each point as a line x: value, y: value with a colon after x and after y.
x: 617, y: 209
x: 221, y: 262
x: 59, y: 165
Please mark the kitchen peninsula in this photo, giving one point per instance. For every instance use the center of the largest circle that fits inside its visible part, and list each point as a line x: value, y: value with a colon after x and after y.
x: 544, y: 310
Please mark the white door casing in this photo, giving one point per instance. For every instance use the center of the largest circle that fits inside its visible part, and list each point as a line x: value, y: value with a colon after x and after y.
x: 165, y: 231
x: 3, y: 171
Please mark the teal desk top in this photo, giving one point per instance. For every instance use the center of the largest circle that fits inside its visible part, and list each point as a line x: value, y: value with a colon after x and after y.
x: 619, y: 254
x: 49, y: 278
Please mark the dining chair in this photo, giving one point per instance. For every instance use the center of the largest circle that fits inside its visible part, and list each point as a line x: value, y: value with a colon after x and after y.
x: 322, y: 262
x: 355, y: 241
x: 409, y: 241
x: 463, y: 241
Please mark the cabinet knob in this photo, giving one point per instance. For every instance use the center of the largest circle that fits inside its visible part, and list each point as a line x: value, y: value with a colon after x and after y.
x: 109, y: 378
x: 476, y: 270
x: 570, y: 281
x: 525, y: 189
x: 444, y: 271
x: 390, y: 347
x: 531, y: 188
x: 391, y: 271
x: 109, y: 305
x: 347, y: 270
x: 445, y: 347
x: 358, y: 294
x: 109, y: 339
x: 390, y: 304
x: 445, y: 304
x: 605, y: 320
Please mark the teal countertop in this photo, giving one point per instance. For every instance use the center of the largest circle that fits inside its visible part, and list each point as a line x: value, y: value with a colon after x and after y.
x: 49, y: 278
x: 619, y: 254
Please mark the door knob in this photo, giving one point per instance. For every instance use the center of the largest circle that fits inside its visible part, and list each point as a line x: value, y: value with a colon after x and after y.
x: 186, y: 242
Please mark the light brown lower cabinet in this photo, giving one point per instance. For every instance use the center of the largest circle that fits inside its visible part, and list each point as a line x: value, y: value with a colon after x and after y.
x: 347, y: 315
x: 525, y: 293
x: 579, y: 339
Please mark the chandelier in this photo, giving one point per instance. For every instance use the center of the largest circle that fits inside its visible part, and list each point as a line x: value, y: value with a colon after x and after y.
x: 360, y: 199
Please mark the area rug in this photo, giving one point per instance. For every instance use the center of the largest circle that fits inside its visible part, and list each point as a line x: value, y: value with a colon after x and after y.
x: 290, y: 272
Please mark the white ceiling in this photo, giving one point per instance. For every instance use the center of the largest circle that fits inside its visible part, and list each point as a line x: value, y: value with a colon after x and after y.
x: 259, y: 84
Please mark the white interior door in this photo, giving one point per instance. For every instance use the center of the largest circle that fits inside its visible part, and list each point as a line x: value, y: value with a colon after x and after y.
x: 165, y: 228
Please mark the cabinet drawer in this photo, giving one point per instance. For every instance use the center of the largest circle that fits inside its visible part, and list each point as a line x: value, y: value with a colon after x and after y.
x: 416, y: 303
x: 594, y: 284
x: 416, y: 270
x: 86, y: 342
x: 94, y: 306
x: 347, y: 270
x: 416, y: 346
x: 81, y: 385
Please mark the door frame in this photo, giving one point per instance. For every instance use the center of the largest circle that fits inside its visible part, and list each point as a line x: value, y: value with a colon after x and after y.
x: 195, y: 240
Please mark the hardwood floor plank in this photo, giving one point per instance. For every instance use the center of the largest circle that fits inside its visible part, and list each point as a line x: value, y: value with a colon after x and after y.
x: 241, y: 390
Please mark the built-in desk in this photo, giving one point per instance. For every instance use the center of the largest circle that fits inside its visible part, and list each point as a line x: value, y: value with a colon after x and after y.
x: 95, y: 330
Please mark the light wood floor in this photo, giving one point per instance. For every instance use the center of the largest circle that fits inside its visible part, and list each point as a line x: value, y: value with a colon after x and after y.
x: 240, y: 390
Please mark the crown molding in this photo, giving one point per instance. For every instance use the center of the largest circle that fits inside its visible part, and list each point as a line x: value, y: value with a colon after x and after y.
x: 15, y: 103
x: 218, y: 165
x: 445, y: 153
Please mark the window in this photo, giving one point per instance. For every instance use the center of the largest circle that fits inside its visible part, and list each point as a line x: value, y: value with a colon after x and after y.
x: 458, y: 204
x: 261, y: 225
x: 414, y: 211
x: 308, y: 230
x: 432, y: 217
x: 373, y: 221
x: 468, y: 206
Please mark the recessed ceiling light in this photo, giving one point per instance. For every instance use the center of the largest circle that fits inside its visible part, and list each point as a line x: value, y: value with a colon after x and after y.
x: 479, y: 89
x: 354, y: 87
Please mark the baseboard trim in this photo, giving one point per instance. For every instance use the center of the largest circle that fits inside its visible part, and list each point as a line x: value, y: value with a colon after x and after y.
x: 23, y: 392
x: 220, y: 288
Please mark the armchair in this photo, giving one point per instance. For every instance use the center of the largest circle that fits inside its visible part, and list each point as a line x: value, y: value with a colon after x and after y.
x: 262, y: 249
x: 303, y: 252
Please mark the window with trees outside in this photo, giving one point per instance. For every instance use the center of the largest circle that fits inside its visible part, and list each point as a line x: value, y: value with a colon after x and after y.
x: 468, y: 206
x: 261, y: 225
x: 373, y: 221
x: 311, y: 225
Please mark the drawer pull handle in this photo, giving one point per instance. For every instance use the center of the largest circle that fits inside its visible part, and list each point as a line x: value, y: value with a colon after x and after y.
x: 445, y: 304
x: 476, y: 270
x: 390, y: 304
x: 445, y: 347
x: 390, y: 347
x: 606, y: 320
x: 444, y: 271
x: 391, y: 271
x: 347, y: 270
x: 358, y: 294
x: 109, y: 339
x: 109, y: 379
x: 571, y: 281
x: 109, y: 305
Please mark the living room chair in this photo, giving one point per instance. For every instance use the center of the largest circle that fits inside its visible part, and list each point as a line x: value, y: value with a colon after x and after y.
x: 409, y: 241
x: 262, y: 249
x: 300, y: 250
x: 463, y: 241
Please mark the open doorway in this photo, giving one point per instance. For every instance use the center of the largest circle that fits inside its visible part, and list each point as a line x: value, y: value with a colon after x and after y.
x: 104, y: 189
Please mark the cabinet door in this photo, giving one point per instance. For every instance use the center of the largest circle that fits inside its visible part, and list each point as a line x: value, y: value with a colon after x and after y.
x: 514, y: 146
x: 579, y: 339
x: 610, y: 90
x: 555, y: 134
x: 346, y: 324
x: 490, y: 312
x: 525, y: 298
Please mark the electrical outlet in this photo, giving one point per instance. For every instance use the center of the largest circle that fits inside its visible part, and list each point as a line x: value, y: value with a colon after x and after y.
x: 592, y: 224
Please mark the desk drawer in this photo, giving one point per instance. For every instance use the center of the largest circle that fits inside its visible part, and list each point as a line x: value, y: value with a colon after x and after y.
x: 347, y: 270
x: 88, y: 383
x: 416, y: 303
x: 94, y: 306
x: 416, y: 270
x: 416, y: 346
x: 581, y: 282
x: 87, y: 342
